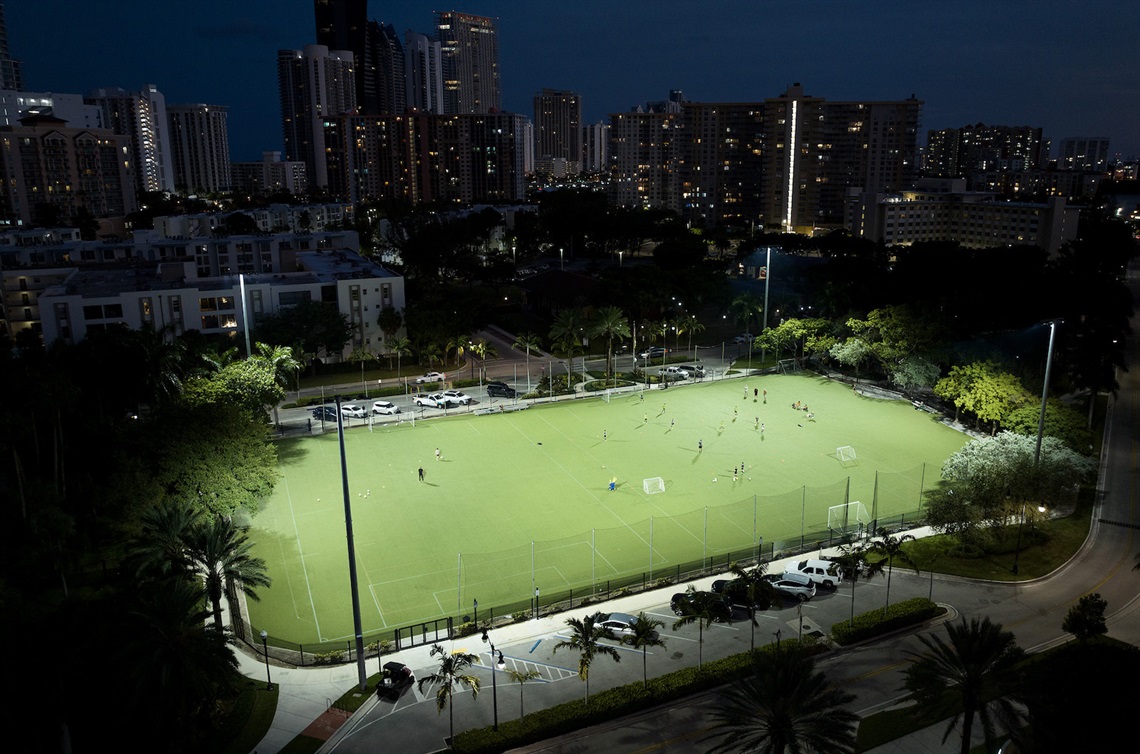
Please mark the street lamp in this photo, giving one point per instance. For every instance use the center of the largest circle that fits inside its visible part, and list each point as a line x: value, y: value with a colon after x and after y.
x: 265, y: 650
x: 499, y: 663
x: 476, y: 604
x: 1040, y: 432
x: 561, y: 259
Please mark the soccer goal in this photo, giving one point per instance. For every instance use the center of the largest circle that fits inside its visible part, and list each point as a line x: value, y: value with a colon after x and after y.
x: 845, y: 454
x: 848, y: 518
x: 653, y: 485
x: 787, y: 366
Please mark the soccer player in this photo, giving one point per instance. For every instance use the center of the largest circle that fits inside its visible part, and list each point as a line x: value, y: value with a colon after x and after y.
x: 437, y: 454
x: 421, y: 473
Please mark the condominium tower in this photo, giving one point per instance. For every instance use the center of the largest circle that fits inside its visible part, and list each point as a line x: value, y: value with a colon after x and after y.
x: 200, y: 143
x: 470, y: 50
x: 315, y: 84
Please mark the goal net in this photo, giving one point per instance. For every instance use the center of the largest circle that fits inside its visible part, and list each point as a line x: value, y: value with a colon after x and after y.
x: 787, y: 366
x: 848, y: 518
x: 653, y: 485
x: 845, y: 454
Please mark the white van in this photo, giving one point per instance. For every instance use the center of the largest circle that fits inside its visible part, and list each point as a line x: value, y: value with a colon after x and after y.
x: 822, y: 572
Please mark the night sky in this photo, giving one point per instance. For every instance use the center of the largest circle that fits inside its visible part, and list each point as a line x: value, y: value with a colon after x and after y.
x: 1068, y: 66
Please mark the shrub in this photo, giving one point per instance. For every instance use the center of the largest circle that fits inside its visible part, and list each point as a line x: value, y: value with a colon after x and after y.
x: 878, y: 622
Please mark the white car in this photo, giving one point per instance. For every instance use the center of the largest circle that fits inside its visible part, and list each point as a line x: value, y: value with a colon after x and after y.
x: 455, y: 398
x: 431, y: 377
x: 352, y: 410
x: 821, y: 572
x: 674, y: 373
x: 619, y: 624
x: 744, y: 337
x: 792, y: 585
x: 384, y: 407
x: 428, y: 401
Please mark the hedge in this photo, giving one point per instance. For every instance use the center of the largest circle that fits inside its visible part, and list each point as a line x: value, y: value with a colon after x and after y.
x: 877, y: 622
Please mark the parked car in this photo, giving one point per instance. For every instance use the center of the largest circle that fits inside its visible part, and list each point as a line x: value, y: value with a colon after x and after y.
x: 326, y: 413
x: 684, y: 603
x: 822, y: 572
x: 737, y: 591
x: 620, y: 624
x: 694, y: 370
x: 352, y: 410
x: 674, y: 373
x: 792, y: 585
x: 428, y: 401
x: 653, y: 352
x: 455, y: 398
x: 385, y: 407
x: 500, y: 390
x: 431, y: 377
x: 744, y: 337
x: 395, y: 679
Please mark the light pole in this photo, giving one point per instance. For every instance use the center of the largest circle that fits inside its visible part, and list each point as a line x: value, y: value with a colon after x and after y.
x: 619, y: 257
x: 1040, y: 432
x: 476, y: 604
x: 265, y: 650
x: 561, y: 259
x: 498, y: 663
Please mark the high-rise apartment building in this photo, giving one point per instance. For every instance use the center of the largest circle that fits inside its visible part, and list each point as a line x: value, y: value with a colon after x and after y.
x: 786, y: 162
x: 200, y: 142
x: 270, y: 175
x: 51, y: 173
x: 423, y: 73
x: 721, y: 172
x: 813, y: 150
x: 558, y: 128
x: 342, y: 26
x: 142, y: 117
x: 470, y: 49
x: 1083, y: 153
x: 595, y: 147
x: 384, y: 86
x: 315, y: 85
x: 978, y: 149
x: 421, y: 157
x: 645, y: 150
x: 69, y: 107
x: 11, y: 71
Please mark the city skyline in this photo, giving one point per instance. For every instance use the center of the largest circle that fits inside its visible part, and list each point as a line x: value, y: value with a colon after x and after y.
x: 1064, y: 66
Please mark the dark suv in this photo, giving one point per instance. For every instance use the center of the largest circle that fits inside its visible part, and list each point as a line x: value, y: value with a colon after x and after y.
x: 328, y: 413
x: 500, y: 390
x: 691, y: 603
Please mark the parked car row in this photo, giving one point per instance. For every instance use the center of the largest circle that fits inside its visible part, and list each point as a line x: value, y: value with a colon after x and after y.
x: 354, y: 411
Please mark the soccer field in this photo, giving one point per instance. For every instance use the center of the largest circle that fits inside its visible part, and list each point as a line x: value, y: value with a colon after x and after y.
x: 521, y: 500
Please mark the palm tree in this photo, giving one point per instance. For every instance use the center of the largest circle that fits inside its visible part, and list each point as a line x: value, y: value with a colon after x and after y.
x: 390, y: 320
x: 160, y: 546
x: 852, y: 558
x: 521, y: 677
x: 527, y: 342
x: 744, y: 307
x: 891, y: 547
x: 172, y: 665
x: 282, y: 365
x: 450, y: 674
x: 585, y: 636
x: 645, y: 635
x: 692, y: 326
x: 610, y: 323
x: 566, y: 331
x: 786, y: 706
x: 976, y: 674
x: 222, y: 552
x: 677, y: 325
x: 757, y: 592
x: 401, y: 347
x: 458, y: 343
x: 430, y: 354
x: 481, y: 349
x: 704, y: 608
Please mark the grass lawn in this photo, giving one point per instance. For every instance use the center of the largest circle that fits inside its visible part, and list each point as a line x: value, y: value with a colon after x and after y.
x: 525, y: 496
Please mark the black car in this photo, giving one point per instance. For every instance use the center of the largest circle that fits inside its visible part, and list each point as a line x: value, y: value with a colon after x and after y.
x: 737, y: 591
x: 690, y: 603
x: 500, y: 390
x: 328, y: 413
x: 395, y: 679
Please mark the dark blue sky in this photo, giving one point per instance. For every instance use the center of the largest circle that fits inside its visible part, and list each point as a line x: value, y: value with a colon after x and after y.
x: 1068, y: 66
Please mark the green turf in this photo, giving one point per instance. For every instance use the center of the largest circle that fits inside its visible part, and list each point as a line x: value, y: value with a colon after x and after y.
x: 427, y: 549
